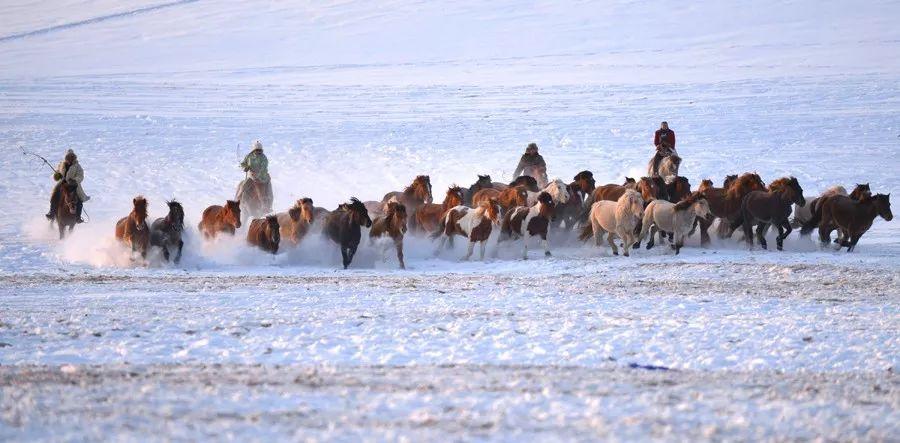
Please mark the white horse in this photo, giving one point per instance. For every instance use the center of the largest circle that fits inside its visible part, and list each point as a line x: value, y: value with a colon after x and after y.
x: 526, y: 222
x: 557, y: 189
x: 803, y: 214
x: 675, y: 218
x: 473, y: 223
x: 619, y: 218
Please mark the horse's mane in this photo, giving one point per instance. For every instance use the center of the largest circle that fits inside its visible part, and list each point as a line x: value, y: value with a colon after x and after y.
x: 629, y: 200
x: 739, y: 185
x: 689, y: 200
x: 779, y: 185
x: 412, y: 186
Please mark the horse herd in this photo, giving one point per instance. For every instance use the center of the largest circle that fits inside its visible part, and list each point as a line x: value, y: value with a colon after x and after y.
x: 631, y: 212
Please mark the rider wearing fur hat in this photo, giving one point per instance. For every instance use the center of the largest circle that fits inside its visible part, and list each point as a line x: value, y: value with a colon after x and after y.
x: 257, y: 167
x: 68, y: 171
x: 533, y: 165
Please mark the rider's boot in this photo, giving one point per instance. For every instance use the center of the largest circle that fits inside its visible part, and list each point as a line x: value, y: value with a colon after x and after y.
x: 78, y: 208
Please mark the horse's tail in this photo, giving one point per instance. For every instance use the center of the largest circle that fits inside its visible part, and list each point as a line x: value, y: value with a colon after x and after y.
x: 694, y: 227
x: 814, y: 219
x: 586, y: 232
x: 586, y: 208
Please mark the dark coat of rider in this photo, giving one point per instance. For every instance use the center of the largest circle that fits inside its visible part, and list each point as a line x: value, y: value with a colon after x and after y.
x: 532, y: 163
x: 664, y: 137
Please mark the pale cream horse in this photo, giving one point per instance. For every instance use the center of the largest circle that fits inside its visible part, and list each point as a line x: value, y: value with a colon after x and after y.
x: 674, y: 218
x: 557, y: 189
x: 618, y: 219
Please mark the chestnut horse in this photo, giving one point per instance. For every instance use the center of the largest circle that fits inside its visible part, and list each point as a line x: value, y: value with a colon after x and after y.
x: 677, y: 188
x: 429, y: 215
x: 483, y: 182
x: 296, y: 222
x: 392, y: 224
x: 526, y: 222
x: 166, y: 232
x: 265, y: 233
x: 530, y: 183
x: 508, y: 198
x: 218, y: 219
x: 851, y: 217
x: 66, y: 207
x: 473, y: 223
x: 416, y: 194
x: 133, y: 230
x: 772, y: 207
x: 653, y: 188
x: 342, y: 226
x: 725, y: 203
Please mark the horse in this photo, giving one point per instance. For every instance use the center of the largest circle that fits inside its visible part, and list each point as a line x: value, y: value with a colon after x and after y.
x: 610, y: 192
x: 508, y: 198
x: 725, y: 203
x: 342, y: 226
x: 429, y: 215
x: 653, y: 188
x: 584, y: 180
x: 803, y: 214
x: 579, y: 189
x: 218, y: 219
x: 473, y: 223
x: 296, y: 222
x: 851, y: 217
x: 166, y: 232
x: 526, y: 222
x: 254, y: 197
x: 66, y: 207
x: 673, y: 218
x: 860, y: 190
x: 772, y: 207
x: 668, y: 166
x: 557, y: 189
x: 619, y: 218
x: 530, y: 183
x: 392, y: 224
x: 265, y: 233
x: 677, y: 188
x: 132, y: 230
x: 483, y: 182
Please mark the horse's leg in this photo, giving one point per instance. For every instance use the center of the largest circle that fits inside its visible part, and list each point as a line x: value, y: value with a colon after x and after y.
x: 178, y: 254
x: 637, y: 230
x: 165, y: 251
x: 652, y: 240
x: 748, y: 231
x: 786, y: 225
x: 627, y: 241
x: 705, y: 223
x: 441, y: 246
x: 679, y: 243
x: 470, y: 249
x: 761, y: 229
x: 352, y: 252
x: 853, y: 240
x: 344, y: 256
x: 525, y: 245
x: 483, y: 248
x: 610, y: 238
x: 825, y: 233
x: 62, y: 229
x: 398, y: 243
x: 546, y: 245
x: 598, y: 232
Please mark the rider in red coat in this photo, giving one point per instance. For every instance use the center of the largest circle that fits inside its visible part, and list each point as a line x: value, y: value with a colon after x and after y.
x: 664, y: 140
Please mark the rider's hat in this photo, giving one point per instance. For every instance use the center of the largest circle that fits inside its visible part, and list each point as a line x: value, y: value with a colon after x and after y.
x: 257, y: 145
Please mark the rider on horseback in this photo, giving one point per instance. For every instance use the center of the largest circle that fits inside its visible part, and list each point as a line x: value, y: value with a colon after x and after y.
x: 257, y: 166
x: 664, y: 140
x: 68, y: 171
x: 532, y: 165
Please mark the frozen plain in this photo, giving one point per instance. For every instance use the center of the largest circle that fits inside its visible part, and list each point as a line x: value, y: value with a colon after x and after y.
x: 714, y: 344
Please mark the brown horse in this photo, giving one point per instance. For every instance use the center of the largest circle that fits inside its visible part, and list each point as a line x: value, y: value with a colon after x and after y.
x: 853, y: 218
x: 296, y: 222
x: 66, y: 207
x: 343, y: 224
x: 653, y: 188
x: 393, y: 224
x: 678, y: 188
x: 508, y: 198
x: 218, y: 219
x: 265, y: 233
x: 770, y: 208
x: 473, y: 223
x: 861, y: 190
x: 133, y: 230
x: 725, y: 203
x: 530, y: 184
x: 415, y: 195
x: 802, y: 214
x: 483, y: 182
x: 429, y: 215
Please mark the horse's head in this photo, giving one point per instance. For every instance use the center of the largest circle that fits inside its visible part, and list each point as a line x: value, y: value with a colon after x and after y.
x: 705, y: 185
x: 274, y: 229
x: 233, y: 213
x: 861, y: 190
x: 700, y: 205
x: 295, y: 213
x: 422, y: 188
x: 747, y: 182
x: 558, y: 190
x: 521, y: 195
x: 630, y: 182
x: 790, y: 190
x: 307, y: 209
x: 176, y: 215
x: 883, y: 206
x: 633, y: 201
x: 69, y: 194
x: 492, y: 210
x: 652, y: 188
x: 454, y: 197
x: 548, y: 207
x: 396, y: 216
x: 585, y: 180
x: 358, y: 212
x: 140, y: 212
x: 729, y: 180
x: 484, y: 181
x: 529, y: 182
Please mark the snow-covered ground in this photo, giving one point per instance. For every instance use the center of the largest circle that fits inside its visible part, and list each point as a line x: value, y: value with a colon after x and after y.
x: 356, y: 98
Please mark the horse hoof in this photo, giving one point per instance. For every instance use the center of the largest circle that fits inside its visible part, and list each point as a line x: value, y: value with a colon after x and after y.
x: 547, y: 254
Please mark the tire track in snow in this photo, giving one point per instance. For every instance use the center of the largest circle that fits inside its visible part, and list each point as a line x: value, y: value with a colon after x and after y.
x: 91, y: 21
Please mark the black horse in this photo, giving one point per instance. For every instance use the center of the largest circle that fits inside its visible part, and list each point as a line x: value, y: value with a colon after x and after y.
x: 166, y: 232
x: 342, y: 226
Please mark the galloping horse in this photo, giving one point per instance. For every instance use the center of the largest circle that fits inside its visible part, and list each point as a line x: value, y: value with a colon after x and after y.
x: 132, y: 230
x: 580, y: 188
x: 295, y: 223
x: 673, y: 218
x: 165, y: 232
x: 342, y: 226
x: 526, y: 222
x: 218, y: 219
x: 853, y: 218
x: 508, y: 198
x: 772, y: 207
x: 530, y: 184
x: 677, y: 188
x: 473, y: 223
x: 415, y: 195
x: 66, y: 211
x: 429, y: 215
x: 392, y: 224
x: 653, y: 188
x: 619, y: 218
x: 254, y: 199
x: 557, y: 189
x: 610, y: 192
x: 725, y: 203
x: 265, y: 233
